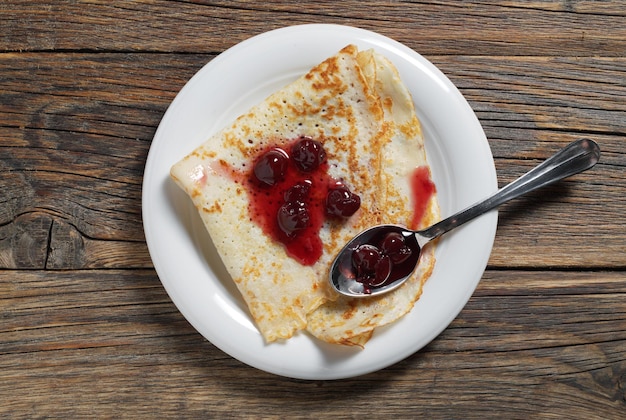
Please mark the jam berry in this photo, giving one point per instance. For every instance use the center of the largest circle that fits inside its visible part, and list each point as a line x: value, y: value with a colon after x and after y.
x: 365, y: 258
x: 292, y: 217
x: 271, y: 167
x: 342, y: 202
x: 393, y: 245
x: 372, y: 266
x: 377, y: 265
x: 382, y: 271
x: 298, y: 192
x: 308, y: 154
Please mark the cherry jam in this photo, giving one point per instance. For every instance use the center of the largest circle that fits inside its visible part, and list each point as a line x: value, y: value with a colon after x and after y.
x: 382, y: 258
x: 388, y: 255
x: 271, y: 167
x: 422, y: 188
x: 342, y: 202
x: 289, y: 189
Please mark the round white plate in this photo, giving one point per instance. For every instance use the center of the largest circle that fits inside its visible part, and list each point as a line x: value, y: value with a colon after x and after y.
x: 192, y: 272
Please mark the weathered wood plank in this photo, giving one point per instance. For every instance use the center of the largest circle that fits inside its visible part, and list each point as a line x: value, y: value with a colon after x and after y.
x: 479, y: 28
x: 65, y: 147
x: 527, y: 344
x: 531, y: 107
x: 24, y: 242
x: 73, y: 154
x: 585, y: 96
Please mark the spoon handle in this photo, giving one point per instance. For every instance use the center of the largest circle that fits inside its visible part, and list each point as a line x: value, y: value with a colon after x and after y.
x: 578, y: 156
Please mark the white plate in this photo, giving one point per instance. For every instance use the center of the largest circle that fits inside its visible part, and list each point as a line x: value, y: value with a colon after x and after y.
x: 189, y: 266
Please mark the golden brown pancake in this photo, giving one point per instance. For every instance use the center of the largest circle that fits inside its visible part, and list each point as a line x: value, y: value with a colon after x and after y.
x: 351, y: 321
x: 355, y: 105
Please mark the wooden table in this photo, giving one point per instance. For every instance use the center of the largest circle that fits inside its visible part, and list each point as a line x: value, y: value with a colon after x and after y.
x: 87, y: 329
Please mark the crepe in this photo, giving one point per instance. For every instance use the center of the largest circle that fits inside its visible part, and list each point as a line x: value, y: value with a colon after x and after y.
x: 351, y: 321
x: 355, y: 105
x: 331, y: 103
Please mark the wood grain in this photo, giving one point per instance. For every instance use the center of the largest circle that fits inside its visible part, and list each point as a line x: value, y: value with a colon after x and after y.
x: 86, y: 328
x: 75, y: 155
x: 526, y: 28
x: 521, y: 345
x: 89, y: 145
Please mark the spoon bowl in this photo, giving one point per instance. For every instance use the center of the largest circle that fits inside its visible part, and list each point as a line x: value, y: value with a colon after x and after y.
x: 360, y: 271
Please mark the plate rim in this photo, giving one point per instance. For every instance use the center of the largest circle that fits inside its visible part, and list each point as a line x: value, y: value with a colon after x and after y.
x: 354, y: 33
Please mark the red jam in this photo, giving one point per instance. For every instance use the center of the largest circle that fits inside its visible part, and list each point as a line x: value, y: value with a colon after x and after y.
x: 387, y: 255
x: 291, y: 194
x: 422, y: 188
x: 381, y: 259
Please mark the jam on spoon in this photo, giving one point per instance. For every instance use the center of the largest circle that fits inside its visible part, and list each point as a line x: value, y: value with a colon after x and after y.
x: 366, y: 266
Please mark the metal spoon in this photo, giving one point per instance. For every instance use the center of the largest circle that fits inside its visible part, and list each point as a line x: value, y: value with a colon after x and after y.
x: 574, y: 158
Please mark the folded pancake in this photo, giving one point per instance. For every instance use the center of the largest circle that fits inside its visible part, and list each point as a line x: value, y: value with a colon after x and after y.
x: 355, y: 105
x: 351, y: 321
x: 334, y: 104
